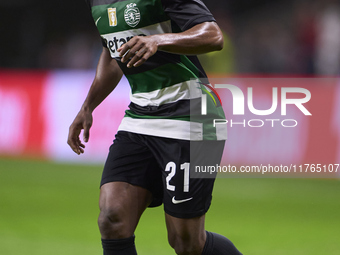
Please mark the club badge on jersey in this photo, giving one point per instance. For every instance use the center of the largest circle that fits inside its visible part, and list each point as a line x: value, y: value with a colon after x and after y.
x: 132, y: 15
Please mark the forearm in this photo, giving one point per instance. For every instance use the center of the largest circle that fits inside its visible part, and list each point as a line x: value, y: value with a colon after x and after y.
x: 200, y: 39
x: 108, y: 75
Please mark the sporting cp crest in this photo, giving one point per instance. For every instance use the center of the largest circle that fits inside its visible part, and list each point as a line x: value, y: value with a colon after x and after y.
x: 132, y: 15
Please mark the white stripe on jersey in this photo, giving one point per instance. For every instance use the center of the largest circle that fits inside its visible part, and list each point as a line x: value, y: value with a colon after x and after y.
x: 176, y: 129
x: 167, y: 95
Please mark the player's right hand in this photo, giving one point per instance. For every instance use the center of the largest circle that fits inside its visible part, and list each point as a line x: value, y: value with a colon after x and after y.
x: 83, y: 120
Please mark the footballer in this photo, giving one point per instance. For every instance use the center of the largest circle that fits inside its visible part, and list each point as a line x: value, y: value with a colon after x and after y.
x: 154, y: 43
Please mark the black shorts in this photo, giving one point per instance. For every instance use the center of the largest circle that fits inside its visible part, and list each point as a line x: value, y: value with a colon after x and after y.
x: 161, y: 165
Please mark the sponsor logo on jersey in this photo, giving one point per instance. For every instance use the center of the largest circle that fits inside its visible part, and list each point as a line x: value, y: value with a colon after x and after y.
x: 132, y: 15
x: 112, y: 12
x: 116, y: 42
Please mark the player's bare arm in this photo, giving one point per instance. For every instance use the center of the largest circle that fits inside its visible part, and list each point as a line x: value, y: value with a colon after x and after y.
x: 202, y: 38
x: 108, y: 75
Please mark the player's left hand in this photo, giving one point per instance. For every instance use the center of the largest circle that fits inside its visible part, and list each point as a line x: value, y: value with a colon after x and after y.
x: 138, y: 50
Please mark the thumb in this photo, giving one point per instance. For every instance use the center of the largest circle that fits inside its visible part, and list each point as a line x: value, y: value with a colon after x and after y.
x: 86, y: 134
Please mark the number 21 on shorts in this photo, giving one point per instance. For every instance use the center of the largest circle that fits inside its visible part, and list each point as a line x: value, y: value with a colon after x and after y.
x: 171, y: 167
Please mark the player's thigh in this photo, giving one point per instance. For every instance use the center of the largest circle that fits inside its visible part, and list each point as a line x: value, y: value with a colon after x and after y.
x: 130, y: 161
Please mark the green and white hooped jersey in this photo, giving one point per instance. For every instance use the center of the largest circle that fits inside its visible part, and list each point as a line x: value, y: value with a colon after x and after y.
x: 166, y: 90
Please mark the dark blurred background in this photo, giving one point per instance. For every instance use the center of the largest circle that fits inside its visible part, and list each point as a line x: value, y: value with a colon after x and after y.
x: 261, y: 36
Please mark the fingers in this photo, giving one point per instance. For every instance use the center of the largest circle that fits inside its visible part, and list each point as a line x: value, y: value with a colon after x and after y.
x: 140, y: 58
x: 134, y: 54
x: 79, y: 148
x: 138, y: 50
x: 73, y: 139
x: 83, y: 121
x: 74, y: 142
x: 126, y: 52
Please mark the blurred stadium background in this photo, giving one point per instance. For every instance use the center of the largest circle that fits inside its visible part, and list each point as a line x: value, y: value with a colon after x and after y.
x: 48, y: 195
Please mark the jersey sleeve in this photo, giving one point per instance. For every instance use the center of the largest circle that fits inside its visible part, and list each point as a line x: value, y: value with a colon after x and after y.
x: 88, y: 4
x: 187, y: 13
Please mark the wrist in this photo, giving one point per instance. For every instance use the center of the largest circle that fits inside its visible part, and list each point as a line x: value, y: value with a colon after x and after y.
x: 86, y: 108
x: 159, y: 41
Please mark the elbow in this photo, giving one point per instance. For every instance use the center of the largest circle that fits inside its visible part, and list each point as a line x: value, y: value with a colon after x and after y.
x: 219, y: 42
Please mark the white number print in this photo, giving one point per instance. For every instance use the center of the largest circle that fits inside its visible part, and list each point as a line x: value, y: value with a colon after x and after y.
x: 186, y: 168
x: 171, y: 167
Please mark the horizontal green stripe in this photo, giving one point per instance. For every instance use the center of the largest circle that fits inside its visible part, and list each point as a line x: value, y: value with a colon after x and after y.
x: 159, y: 78
x: 209, y: 131
x: 213, y: 112
x: 147, y: 10
x: 129, y: 113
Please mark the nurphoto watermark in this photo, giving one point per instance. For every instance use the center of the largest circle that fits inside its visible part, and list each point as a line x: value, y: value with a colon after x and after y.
x: 266, y: 123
